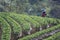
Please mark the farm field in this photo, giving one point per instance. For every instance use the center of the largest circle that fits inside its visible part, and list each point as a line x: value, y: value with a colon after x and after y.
x: 26, y: 27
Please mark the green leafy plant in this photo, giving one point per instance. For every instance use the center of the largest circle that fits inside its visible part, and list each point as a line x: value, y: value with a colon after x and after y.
x: 54, y: 37
x: 29, y: 37
x: 6, y: 30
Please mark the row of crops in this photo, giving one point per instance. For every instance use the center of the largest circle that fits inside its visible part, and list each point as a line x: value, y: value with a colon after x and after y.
x: 23, y: 27
x: 54, y: 37
x: 6, y: 30
x: 29, y: 37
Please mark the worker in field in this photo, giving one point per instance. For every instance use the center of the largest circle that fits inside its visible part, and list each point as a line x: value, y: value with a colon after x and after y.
x: 43, y: 12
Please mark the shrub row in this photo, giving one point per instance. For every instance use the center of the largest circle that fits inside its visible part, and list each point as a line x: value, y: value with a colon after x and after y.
x: 29, y: 37
x: 16, y: 27
x: 6, y: 30
x: 54, y: 37
x: 24, y: 24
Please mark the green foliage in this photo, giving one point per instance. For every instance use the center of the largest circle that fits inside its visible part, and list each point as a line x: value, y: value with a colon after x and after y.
x: 54, y: 37
x: 16, y: 27
x: 31, y: 21
x: 24, y: 24
x: 6, y: 30
x: 22, y: 6
x: 40, y: 20
x: 34, y: 20
x: 45, y: 20
x: 29, y: 37
x: 55, y: 12
x: 4, y: 14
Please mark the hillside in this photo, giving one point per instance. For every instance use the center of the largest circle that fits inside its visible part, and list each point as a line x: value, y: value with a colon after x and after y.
x: 31, y: 7
x: 23, y: 27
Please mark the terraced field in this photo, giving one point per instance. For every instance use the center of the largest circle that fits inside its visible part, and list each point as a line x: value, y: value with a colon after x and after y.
x: 23, y: 27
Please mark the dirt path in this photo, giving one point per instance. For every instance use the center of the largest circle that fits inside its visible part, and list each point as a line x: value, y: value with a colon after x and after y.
x: 46, y: 35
